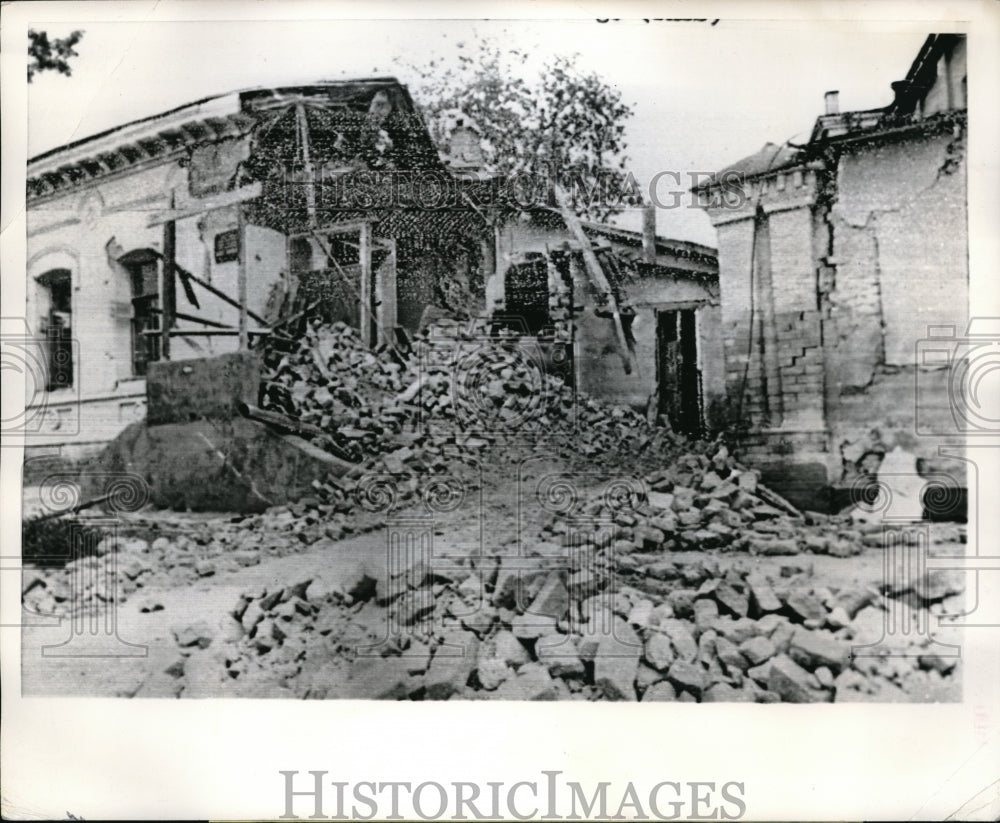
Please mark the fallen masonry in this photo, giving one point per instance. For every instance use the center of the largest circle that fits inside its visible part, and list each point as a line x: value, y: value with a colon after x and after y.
x: 668, y: 602
x: 672, y: 635
x: 697, y: 496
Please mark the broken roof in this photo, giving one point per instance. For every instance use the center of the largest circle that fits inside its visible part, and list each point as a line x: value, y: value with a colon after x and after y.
x: 234, y: 114
x: 768, y: 159
x: 686, y: 257
x: 923, y: 72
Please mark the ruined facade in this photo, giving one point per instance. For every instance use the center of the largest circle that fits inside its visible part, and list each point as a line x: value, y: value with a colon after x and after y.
x: 835, y: 260
x: 188, y: 234
x: 670, y: 291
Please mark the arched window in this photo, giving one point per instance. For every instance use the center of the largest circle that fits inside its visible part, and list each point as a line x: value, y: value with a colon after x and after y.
x: 57, y: 327
x: 143, y: 267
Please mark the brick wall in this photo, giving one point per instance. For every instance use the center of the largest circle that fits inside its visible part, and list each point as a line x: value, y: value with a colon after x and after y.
x: 898, y: 265
x: 800, y: 361
x: 774, y: 370
x: 847, y: 278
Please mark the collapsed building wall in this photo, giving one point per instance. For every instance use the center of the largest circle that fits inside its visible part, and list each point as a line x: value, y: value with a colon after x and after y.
x: 672, y: 315
x: 163, y: 222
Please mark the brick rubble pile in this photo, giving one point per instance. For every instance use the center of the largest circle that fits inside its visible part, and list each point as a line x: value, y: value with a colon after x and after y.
x: 460, y: 390
x: 635, y: 622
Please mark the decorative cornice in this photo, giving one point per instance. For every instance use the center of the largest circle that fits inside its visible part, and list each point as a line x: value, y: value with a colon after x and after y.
x: 59, y: 173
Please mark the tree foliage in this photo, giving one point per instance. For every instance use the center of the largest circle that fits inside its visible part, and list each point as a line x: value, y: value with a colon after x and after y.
x: 51, y: 55
x: 565, y: 126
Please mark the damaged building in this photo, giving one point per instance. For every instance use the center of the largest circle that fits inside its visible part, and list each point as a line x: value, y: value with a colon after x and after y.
x: 836, y: 258
x: 193, y: 234
x: 667, y: 290
x: 188, y: 234
x: 449, y: 444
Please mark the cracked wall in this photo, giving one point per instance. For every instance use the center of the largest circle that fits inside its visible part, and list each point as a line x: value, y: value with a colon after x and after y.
x: 898, y: 264
x: 830, y: 274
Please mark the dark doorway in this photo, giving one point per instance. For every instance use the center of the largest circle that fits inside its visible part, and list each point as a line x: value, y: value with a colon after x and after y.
x: 526, y: 293
x: 677, y: 374
x: 333, y: 271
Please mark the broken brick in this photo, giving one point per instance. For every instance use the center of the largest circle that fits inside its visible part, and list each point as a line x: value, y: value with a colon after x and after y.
x: 688, y: 677
x: 757, y: 650
x: 762, y: 595
x: 813, y: 648
x: 725, y: 693
x: 793, y: 683
x: 198, y: 634
x: 805, y: 605
x: 384, y: 678
x: 733, y: 601
x: 559, y: 654
x: 451, y: 666
x: 649, y: 538
x: 493, y: 671
x: 531, y: 683
x: 659, y: 651
x: 730, y: 655
x: 616, y: 662
x: 531, y: 626
x: 553, y: 598
x: 660, y: 692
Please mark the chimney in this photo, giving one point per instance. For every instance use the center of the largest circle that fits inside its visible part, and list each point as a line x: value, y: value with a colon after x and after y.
x: 832, y: 100
x: 464, y: 151
x: 649, y: 233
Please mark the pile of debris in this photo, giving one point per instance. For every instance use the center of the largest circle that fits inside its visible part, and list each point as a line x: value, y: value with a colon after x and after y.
x: 119, y: 565
x: 737, y: 636
x: 625, y: 621
x: 465, y: 396
x: 697, y: 503
x: 460, y: 389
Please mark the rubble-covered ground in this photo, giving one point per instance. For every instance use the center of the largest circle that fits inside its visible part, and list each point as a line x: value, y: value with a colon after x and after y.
x: 600, y: 558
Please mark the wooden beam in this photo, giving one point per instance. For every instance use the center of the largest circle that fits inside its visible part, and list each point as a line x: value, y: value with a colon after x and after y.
x: 194, y: 319
x: 168, y: 283
x: 597, y: 275
x: 241, y: 280
x: 220, y: 294
x: 649, y: 233
x: 206, y: 332
x: 217, y: 201
x: 366, y: 315
x: 302, y: 122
